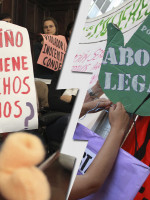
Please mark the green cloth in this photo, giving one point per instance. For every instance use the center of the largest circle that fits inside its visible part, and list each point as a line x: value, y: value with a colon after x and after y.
x: 125, y: 71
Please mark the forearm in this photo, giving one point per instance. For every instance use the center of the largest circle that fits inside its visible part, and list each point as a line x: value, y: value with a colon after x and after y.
x: 97, y: 103
x: 100, y: 168
x: 102, y: 165
x: 85, y: 108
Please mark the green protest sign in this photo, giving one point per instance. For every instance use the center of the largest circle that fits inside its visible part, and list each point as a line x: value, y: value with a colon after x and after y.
x: 125, y: 70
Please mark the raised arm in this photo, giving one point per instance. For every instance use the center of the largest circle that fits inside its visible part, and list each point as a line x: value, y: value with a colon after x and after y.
x: 100, y: 168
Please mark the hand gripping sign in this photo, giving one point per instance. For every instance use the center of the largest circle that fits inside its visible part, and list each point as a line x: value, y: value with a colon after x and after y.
x: 128, y: 173
x: 18, y: 109
x: 53, y: 52
x: 125, y: 70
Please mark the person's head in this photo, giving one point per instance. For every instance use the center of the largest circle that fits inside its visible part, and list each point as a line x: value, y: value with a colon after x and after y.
x: 50, y: 26
x: 5, y: 17
x: 69, y: 31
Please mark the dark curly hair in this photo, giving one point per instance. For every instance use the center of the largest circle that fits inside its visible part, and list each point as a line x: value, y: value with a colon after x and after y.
x: 4, y: 16
x: 67, y: 33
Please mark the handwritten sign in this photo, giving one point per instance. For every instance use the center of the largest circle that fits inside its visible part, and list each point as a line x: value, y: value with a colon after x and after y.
x: 127, y: 17
x: 18, y: 108
x: 53, y: 52
x: 89, y: 60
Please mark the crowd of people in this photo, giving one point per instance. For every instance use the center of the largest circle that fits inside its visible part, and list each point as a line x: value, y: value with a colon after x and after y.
x: 55, y: 106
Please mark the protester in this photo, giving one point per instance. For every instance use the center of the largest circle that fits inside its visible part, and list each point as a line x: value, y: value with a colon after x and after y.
x: 55, y: 99
x: 44, y: 74
x: 59, y: 100
x: 5, y: 17
x: 100, y: 168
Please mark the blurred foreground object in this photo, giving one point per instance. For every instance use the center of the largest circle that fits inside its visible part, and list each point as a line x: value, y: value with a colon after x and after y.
x: 19, y: 178
x: 58, y: 169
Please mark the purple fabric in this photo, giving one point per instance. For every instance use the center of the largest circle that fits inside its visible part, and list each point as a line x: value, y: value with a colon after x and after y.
x: 126, y: 177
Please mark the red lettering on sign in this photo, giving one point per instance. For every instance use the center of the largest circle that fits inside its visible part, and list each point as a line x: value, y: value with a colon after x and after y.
x: 7, y: 109
x: 28, y: 87
x: 7, y: 65
x: 24, y: 63
x: 16, y: 63
x: 14, y: 84
x: 20, y: 109
x: 6, y: 85
x: 9, y: 39
x: 19, y: 36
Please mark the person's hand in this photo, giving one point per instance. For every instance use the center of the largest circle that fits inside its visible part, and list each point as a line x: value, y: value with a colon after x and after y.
x: 66, y: 98
x: 97, y: 90
x: 119, y: 118
x: 98, y: 103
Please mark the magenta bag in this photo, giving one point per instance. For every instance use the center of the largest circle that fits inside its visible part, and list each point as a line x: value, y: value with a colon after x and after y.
x: 126, y: 177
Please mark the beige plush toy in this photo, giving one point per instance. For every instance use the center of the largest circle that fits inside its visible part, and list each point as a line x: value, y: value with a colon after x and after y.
x: 20, y: 179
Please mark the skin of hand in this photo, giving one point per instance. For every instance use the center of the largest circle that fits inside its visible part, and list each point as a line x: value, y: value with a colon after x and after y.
x: 66, y: 98
x: 102, y: 103
x: 101, y: 166
x: 118, y: 118
x: 97, y: 90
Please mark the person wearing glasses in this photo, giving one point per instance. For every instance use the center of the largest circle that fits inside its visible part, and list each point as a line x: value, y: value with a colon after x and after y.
x: 50, y: 27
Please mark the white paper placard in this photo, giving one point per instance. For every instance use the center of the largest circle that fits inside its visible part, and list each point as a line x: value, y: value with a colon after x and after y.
x: 18, y: 107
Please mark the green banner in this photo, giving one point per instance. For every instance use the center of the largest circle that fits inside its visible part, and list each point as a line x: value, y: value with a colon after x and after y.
x: 125, y: 70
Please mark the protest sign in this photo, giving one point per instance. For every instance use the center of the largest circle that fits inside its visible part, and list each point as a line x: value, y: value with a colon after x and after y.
x: 127, y: 17
x: 126, y: 177
x: 53, y: 51
x: 124, y: 74
x: 18, y: 109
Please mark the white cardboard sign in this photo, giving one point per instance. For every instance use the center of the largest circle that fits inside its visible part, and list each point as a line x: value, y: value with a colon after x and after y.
x: 18, y: 108
x: 128, y: 17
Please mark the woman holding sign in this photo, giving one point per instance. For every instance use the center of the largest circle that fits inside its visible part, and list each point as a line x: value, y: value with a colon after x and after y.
x: 62, y: 100
x: 50, y: 27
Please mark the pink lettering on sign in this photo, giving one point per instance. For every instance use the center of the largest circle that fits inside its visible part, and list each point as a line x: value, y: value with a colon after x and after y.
x: 10, y: 39
x: 6, y: 109
x: 15, y: 85
x: 88, y: 61
x: 94, y: 79
x: 53, y: 52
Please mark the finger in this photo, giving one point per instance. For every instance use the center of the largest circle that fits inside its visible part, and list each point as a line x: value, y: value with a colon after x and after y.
x: 112, y: 108
x: 105, y: 104
x: 101, y: 102
x: 105, y: 100
x: 119, y: 106
x: 122, y: 106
